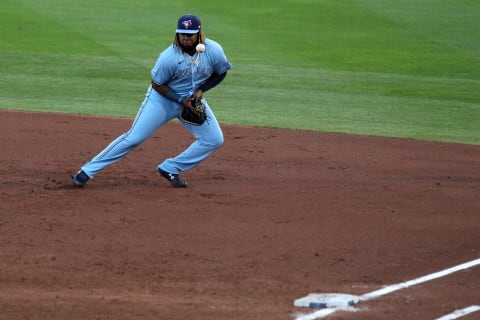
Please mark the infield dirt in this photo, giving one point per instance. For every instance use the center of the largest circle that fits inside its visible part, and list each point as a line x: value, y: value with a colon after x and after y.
x: 272, y: 216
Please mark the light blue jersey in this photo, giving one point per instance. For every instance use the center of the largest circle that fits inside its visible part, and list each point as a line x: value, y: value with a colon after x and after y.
x: 184, y: 73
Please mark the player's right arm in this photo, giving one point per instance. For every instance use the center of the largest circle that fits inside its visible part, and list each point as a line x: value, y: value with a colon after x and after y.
x: 163, y: 70
x: 171, y: 95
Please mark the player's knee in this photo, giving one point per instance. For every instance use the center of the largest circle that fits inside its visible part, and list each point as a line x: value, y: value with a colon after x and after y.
x: 215, y: 142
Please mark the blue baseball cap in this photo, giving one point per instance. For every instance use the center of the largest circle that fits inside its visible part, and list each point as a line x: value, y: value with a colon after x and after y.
x: 189, y: 24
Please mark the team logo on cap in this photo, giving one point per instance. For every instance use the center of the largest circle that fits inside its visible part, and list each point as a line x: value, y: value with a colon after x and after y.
x: 187, y: 23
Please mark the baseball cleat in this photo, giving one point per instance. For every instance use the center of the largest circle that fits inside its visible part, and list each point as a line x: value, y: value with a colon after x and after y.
x: 80, y: 179
x: 174, y: 179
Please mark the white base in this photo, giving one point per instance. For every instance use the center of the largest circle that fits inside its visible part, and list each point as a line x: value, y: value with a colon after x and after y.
x: 326, y: 300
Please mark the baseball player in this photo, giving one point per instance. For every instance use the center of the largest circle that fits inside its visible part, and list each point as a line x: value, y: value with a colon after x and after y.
x: 180, y: 75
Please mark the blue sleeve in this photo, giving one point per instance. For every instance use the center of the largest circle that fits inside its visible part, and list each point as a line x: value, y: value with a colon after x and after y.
x: 213, y: 81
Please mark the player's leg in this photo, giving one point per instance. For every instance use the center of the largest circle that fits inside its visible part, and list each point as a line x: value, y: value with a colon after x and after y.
x: 153, y: 113
x: 209, y: 137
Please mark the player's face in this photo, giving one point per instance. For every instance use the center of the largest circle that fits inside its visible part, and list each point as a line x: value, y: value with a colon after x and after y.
x: 187, y: 40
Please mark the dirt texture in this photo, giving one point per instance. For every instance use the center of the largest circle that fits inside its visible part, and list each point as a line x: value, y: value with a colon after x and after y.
x: 270, y: 217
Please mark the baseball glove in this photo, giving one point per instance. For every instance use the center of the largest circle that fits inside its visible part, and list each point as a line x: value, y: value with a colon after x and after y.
x: 196, y: 115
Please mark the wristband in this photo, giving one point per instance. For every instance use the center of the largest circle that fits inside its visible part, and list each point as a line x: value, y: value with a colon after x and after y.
x: 171, y: 95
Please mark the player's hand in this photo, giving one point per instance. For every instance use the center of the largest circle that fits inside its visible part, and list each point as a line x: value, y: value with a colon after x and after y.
x: 188, y: 103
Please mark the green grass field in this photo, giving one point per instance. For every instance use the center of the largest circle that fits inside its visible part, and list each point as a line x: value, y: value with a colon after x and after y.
x: 407, y: 69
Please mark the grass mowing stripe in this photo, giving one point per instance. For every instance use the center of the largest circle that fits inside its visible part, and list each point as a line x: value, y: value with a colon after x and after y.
x: 439, y: 88
x: 427, y: 18
x: 23, y: 29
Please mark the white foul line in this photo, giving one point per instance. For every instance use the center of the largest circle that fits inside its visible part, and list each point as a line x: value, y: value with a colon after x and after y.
x: 392, y: 288
x: 460, y: 313
x: 406, y: 284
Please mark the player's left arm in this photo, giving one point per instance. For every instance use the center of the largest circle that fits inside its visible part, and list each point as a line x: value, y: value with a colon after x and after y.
x: 219, y: 64
x: 213, y: 81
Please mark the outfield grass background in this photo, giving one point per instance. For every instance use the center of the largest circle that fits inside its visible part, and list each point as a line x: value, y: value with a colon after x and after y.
x: 407, y: 69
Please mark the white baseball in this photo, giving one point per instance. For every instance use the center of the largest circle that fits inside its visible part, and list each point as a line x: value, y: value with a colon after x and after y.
x: 200, y: 47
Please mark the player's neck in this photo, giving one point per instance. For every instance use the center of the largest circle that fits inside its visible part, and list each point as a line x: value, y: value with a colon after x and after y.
x: 190, y: 52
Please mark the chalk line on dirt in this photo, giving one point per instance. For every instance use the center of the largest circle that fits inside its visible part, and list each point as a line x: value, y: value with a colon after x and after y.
x: 460, y: 313
x: 392, y: 288
x: 406, y: 284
